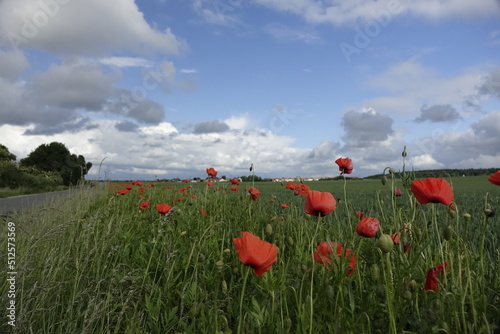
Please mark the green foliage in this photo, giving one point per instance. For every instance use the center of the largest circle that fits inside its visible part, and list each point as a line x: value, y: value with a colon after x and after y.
x: 5, y: 154
x: 55, y: 157
x: 10, y: 175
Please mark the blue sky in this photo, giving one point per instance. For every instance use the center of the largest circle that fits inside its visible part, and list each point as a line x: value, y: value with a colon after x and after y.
x: 168, y: 88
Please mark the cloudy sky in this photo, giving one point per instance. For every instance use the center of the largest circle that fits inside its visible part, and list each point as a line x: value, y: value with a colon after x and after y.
x: 168, y: 88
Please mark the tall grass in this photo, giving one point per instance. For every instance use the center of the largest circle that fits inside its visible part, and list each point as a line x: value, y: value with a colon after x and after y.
x: 97, y: 263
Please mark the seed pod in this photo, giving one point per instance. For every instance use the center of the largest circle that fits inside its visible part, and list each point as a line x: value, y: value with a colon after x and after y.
x: 391, y: 170
x: 385, y: 243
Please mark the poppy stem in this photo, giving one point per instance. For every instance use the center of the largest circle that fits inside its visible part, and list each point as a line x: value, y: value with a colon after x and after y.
x: 345, y: 200
x: 240, y: 322
x: 311, y: 288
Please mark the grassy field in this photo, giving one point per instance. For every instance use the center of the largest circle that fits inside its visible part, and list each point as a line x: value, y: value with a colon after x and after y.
x: 98, y: 263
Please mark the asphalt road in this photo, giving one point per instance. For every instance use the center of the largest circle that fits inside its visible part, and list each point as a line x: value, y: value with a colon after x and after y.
x: 19, y: 203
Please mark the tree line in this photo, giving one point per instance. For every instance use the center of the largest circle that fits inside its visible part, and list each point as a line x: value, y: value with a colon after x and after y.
x: 47, y: 166
x: 439, y: 173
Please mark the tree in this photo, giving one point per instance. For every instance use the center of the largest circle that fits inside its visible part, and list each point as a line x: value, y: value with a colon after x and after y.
x: 55, y: 157
x: 5, y: 154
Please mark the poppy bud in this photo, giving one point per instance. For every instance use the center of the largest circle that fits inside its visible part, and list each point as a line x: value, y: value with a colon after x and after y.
x: 269, y: 229
x: 287, y: 323
x: 403, y: 154
x: 380, y: 291
x: 224, y: 286
x: 227, y: 251
x: 201, y: 257
x: 384, y: 180
x: 407, y: 295
x: 412, y: 285
x: 447, y: 233
x: 251, y: 167
x: 219, y: 263
x: 467, y: 216
x: 391, y: 170
x: 289, y: 241
x: 489, y: 213
x: 330, y: 292
x: 195, y: 310
x: 183, y: 233
x: 385, y: 243
x: 375, y: 272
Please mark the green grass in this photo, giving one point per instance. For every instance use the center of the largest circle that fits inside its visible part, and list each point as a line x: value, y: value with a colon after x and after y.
x: 97, y: 263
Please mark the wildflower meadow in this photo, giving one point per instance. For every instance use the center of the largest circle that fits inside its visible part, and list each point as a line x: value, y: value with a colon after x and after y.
x: 396, y: 255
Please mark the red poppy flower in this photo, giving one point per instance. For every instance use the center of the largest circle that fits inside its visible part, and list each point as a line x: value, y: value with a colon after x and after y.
x: 495, y: 178
x: 144, y: 205
x: 284, y: 206
x: 395, y: 237
x: 368, y: 227
x: 319, y: 203
x: 122, y: 191
x: 432, y: 190
x: 324, y: 251
x: 209, y: 184
x: 256, y: 253
x: 185, y: 180
x: 234, y: 188
x: 254, y: 192
x: 345, y: 165
x: 291, y: 186
x: 301, y: 189
x: 211, y: 172
x: 128, y: 186
x: 432, y: 281
x: 163, y: 208
x: 203, y: 212
x: 360, y: 214
x: 397, y: 192
x: 235, y: 181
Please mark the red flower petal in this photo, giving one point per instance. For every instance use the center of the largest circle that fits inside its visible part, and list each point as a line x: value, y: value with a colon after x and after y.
x: 319, y: 203
x: 495, y: 178
x: 256, y: 253
x: 432, y: 190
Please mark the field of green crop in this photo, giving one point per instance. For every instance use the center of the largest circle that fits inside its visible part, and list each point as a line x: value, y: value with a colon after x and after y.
x: 98, y: 262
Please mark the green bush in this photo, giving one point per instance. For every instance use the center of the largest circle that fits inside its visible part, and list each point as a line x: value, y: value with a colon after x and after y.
x: 10, y: 175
